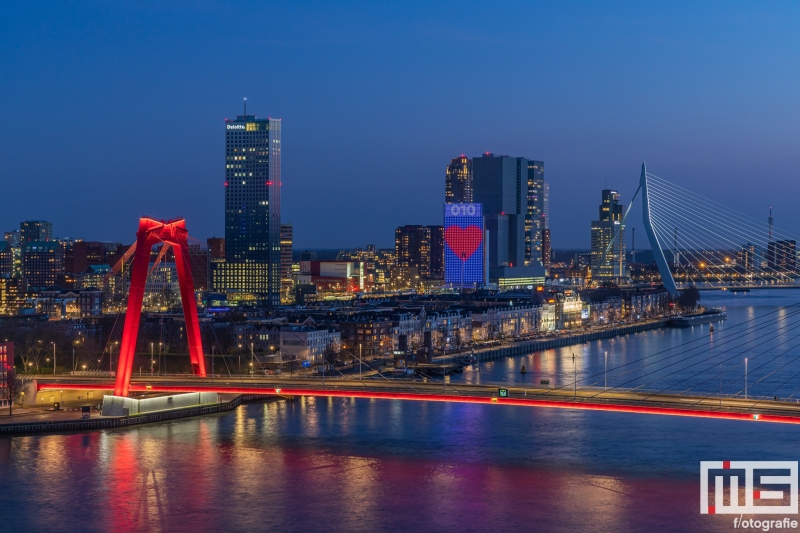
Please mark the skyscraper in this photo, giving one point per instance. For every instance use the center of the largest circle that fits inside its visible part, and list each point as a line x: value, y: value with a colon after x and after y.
x: 458, y: 181
x: 437, y: 252
x: 252, y: 209
x: 609, y: 264
x: 35, y: 230
x: 501, y: 186
x: 412, y: 248
x: 537, y: 216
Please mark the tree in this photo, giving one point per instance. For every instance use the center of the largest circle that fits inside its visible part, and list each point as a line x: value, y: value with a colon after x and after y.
x: 689, y: 297
x: 330, y: 354
x: 13, y: 388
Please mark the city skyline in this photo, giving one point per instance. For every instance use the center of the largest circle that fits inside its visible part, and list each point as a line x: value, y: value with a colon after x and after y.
x: 624, y: 106
x: 518, y: 266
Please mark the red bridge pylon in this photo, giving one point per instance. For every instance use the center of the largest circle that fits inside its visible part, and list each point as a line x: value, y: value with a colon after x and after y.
x: 171, y: 233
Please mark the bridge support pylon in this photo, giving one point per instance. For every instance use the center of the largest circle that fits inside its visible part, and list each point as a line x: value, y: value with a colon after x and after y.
x: 655, y: 246
x: 172, y: 233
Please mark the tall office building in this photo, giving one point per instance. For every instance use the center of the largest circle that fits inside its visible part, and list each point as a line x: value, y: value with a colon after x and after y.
x: 35, y: 230
x: 458, y: 181
x: 609, y: 264
x: 42, y: 262
x: 512, y: 192
x: 437, y: 252
x: 252, y: 209
x: 412, y: 248
x: 537, y: 216
x: 503, y: 196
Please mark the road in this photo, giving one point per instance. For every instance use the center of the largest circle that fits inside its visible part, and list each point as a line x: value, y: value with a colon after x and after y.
x: 631, y: 401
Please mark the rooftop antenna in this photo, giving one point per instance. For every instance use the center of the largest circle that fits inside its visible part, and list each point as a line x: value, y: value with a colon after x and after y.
x: 770, y: 223
x: 245, y: 107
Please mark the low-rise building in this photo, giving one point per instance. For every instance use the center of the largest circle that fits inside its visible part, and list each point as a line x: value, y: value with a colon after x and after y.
x: 310, y: 343
x: 63, y: 304
x: 506, y: 321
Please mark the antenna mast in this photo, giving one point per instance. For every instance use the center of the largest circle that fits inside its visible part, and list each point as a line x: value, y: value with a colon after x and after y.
x: 770, y: 223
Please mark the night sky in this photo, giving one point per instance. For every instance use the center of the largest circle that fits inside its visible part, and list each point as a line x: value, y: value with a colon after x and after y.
x: 113, y: 110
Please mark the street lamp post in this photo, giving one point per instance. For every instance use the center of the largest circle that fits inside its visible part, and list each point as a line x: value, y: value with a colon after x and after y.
x: 152, y: 360
x: 111, y: 357
x: 745, y: 378
x: 212, y: 364
x: 575, y: 376
x: 54, y: 358
x: 605, y: 373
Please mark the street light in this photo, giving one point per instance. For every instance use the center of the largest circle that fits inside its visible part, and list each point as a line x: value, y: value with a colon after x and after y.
x: 745, y: 378
x: 111, y: 356
x: 575, y: 374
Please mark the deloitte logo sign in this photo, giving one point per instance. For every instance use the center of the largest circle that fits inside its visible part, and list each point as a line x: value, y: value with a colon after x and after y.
x: 235, y: 126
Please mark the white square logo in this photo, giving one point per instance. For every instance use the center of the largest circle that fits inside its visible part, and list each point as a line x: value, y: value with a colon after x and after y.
x: 750, y: 471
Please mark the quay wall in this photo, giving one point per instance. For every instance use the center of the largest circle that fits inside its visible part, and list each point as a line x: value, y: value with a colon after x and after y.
x: 536, y: 345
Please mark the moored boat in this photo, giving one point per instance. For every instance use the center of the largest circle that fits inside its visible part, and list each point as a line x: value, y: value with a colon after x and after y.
x: 711, y: 315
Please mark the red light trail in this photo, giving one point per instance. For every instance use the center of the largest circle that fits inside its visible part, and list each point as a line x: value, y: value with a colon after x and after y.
x: 483, y: 400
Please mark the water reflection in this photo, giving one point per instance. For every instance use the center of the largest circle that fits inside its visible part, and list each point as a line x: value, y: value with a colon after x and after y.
x: 365, y: 465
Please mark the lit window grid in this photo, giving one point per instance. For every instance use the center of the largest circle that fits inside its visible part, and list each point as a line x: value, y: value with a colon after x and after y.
x: 456, y: 271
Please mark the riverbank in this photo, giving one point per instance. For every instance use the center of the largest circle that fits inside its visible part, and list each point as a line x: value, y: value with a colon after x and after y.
x: 535, y: 345
x: 11, y: 426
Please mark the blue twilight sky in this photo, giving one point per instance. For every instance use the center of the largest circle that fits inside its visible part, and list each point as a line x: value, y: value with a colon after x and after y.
x: 112, y: 110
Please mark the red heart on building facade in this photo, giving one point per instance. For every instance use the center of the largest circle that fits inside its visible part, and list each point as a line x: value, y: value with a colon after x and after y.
x: 463, y: 241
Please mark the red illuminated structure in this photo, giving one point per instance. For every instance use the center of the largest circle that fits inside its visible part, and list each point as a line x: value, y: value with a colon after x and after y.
x: 358, y: 391
x: 172, y: 233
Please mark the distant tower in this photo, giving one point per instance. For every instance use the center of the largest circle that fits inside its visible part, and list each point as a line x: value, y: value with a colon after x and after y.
x: 605, y: 262
x: 770, y: 224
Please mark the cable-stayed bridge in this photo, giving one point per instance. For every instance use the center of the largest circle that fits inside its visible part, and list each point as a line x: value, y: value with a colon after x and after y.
x: 698, y: 241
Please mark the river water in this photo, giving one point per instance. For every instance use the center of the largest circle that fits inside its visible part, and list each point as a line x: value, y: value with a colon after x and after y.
x: 371, y: 465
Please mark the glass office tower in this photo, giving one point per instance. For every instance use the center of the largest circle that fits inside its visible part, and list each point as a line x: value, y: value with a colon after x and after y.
x: 252, y: 209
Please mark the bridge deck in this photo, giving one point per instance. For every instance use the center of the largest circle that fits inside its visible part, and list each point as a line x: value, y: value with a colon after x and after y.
x: 396, y: 389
